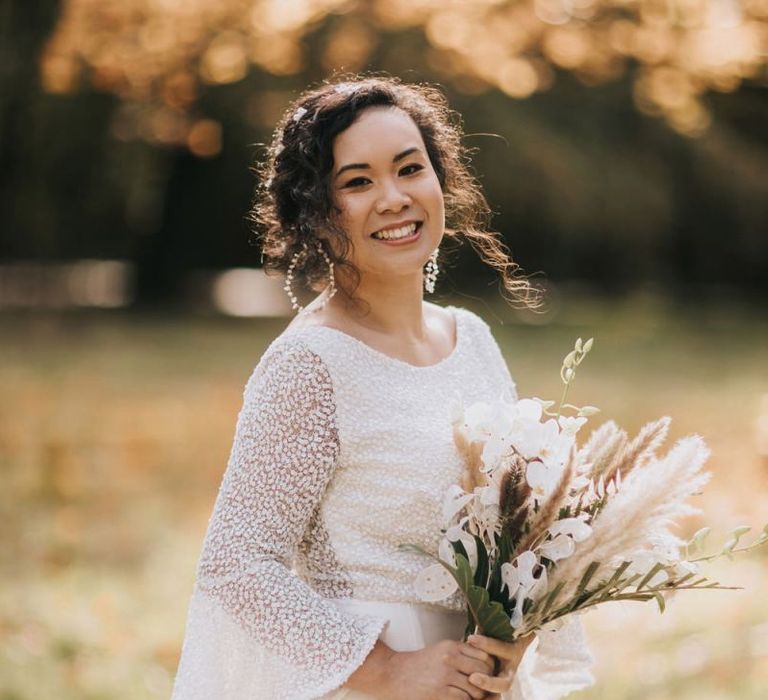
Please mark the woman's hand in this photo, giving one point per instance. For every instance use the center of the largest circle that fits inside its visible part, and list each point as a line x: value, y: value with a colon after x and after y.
x: 437, y: 672
x: 509, y: 653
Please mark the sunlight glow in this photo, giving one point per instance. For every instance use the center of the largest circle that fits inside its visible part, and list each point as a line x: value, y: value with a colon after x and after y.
x: 160, y: 52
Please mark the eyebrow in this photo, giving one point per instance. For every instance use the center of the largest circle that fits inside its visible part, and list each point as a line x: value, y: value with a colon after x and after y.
x: 366, y: 166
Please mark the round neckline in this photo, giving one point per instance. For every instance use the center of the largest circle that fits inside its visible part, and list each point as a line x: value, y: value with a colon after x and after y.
x: 459, y: 335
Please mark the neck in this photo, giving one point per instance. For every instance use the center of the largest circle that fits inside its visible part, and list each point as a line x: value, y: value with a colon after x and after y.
x: 385, y: 306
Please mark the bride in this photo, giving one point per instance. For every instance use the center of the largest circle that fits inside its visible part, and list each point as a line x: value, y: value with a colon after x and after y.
x: 343, y: 448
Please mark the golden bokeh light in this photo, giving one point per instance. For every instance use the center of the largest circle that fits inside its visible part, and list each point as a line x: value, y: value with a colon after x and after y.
x: 349, y: 46
x: 518, y: 78
x: 161, y: 51
x: 204, y: 138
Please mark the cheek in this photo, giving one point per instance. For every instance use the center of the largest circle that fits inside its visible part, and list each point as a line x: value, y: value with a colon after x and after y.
x: 353, y: 212
x: 431, y: 193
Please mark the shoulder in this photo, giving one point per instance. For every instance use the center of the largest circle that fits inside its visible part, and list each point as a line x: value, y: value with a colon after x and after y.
x: 289, y: 366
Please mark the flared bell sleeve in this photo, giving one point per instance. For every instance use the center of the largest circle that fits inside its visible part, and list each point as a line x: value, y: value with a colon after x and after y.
x: 255, y: 630
x: 555, y: 664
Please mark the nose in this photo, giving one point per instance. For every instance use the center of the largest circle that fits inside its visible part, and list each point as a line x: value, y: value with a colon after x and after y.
x: 392, y: 198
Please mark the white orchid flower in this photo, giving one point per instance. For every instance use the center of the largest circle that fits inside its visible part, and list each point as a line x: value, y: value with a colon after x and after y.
x: 528, y: 410
x: 558, y: 548
x: 498, y: 445
x: 543, y: 441
x: 571, y: 424
x: 477, y: 421
x: 542, y: 479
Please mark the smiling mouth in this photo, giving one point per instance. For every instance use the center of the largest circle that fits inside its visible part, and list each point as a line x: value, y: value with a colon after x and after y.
x: 394, y: 234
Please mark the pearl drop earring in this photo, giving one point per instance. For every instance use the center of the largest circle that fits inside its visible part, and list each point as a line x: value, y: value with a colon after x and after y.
x: 289, y: 278
x: 431, y: 272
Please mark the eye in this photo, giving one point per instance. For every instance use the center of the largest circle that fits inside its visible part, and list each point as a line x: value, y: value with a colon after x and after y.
x: 411, y: 169
x: 356, y: 182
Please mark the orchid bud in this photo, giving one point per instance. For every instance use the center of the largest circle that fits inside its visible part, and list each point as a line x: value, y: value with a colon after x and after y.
x: 588, y: 345
x: 740, y: 531
x: 588, y: 411
x: 578, y: 344
x: 698, y: 539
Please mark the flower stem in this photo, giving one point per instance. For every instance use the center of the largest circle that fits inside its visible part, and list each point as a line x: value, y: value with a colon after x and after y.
x: 562, y: 400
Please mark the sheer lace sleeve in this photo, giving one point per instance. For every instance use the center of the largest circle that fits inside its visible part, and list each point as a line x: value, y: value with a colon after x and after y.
x: 255, y: 630
x: 555, y: 665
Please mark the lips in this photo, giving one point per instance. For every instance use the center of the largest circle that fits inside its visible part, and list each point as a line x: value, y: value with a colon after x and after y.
x: 404, y: 230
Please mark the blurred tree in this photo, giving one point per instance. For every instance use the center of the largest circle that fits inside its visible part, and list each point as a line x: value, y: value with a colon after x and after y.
x: 136, y: 142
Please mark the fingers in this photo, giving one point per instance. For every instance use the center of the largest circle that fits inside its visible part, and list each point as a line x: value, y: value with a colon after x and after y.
x: 486, y: 661
x: 465, y: 665
x: 506, y: 651
x: 492, y: 684
x: 460, y: 681
x: 503, y: 650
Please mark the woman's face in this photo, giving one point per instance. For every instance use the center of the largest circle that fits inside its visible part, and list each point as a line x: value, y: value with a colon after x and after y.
x: 391, y: 204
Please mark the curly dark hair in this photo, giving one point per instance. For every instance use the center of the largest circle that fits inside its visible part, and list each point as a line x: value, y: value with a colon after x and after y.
x: 294, y: 200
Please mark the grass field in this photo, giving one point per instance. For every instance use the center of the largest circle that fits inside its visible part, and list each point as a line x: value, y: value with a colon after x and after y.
x: 115, y: 429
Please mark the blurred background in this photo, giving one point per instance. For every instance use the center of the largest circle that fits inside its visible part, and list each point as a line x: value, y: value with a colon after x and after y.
x: 623, y: 145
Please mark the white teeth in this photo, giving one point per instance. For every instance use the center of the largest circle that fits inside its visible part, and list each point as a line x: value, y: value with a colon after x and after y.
x: 394, y: 233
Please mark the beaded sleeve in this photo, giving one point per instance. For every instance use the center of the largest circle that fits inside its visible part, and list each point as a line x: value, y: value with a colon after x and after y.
x: 254, y: 628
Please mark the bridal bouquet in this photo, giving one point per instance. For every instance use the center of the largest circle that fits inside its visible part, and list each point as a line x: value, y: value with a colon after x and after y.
x: 539, y: 528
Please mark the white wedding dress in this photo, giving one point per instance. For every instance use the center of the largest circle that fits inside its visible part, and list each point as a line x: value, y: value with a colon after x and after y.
x: 341, y: 453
